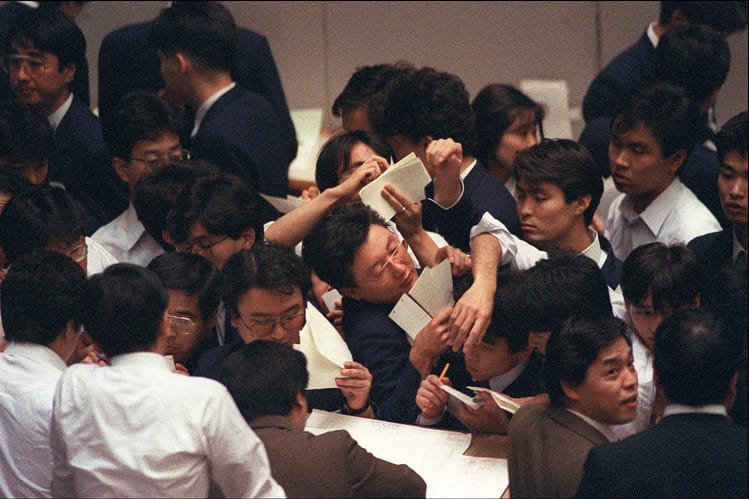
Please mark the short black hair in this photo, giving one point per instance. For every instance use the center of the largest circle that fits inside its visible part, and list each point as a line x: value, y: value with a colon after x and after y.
x: 573, y: 347
x: 25, y: 135
x: 428, y: 102
x: 222, y: 203
x: 41, y: 295
x: 504, y: 322
x: 724, y: 17
x: 12, y: 183
x: 266, y: 265
x: 48, y: 31
x: 667, y: 111
x: 264, y: 377
x: 122, y: 308
x: 192, y: 274
x: 566, y: 164
x: 496, y: 107
x: 337, y: 152
x: 672, y: 274
x: 694, y: 57
x: 695, y: 358
x: 733, y: 137
x: 38, y: 216
x: 139, y: 116
x: 205, y: 31
x: 365, y: 83
x: 330, y: 247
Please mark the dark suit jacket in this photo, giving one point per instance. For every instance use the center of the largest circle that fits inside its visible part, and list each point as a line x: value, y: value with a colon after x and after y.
x: 685, y: 455
x: 714, y: 251
x: 82, y: 163
x: 700, y: 173
x: 612, y: 267
x: 128, y: 62
x: 331, y: 464
x: 547, y: 449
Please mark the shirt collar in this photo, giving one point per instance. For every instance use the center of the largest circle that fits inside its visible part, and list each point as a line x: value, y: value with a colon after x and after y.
x: 56, y: 117
x: 604, y: 429
x: 594, y: 251
x: 33, y: 5
x: 150, y: 360
x: 737, y: 248
x: 656, y: 213
x: 499, y: 383
x: 465, y: 172
x: 206, y: 105
x: 39, y: 353
x: 134, y: 229
x: 717, y: 409
x: 651, y: 33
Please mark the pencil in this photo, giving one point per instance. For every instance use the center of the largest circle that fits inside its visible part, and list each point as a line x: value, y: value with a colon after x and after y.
x: 444, y: 370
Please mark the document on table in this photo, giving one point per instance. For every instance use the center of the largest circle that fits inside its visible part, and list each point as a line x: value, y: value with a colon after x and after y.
x: 434, y: 454
x: 324, y: 348
x: 407, y: 175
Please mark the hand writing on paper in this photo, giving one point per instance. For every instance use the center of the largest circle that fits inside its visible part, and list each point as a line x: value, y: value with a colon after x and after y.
x: 444, y: 158
x: 430, y: 398
x: 407, y: 214
x: 355, y: 384
x: 431, y: 342
x: 488, y: 418
x: 460, y: 262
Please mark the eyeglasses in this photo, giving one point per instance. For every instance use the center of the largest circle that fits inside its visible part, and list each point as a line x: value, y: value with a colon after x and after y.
x: 34, y: 66
x: 77, y: 253
x: 263, y: 328
x: 377, y: 274
x: 181, y: 325
x: 155, y: 160
x: 200, y: 247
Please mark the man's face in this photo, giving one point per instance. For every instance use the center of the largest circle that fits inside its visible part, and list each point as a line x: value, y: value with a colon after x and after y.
x: 382, y: 268
x: 189, y: 328
x: 76, y: 250
x: 360, y: 152
x: 545, y: 217
x: 215, y: 248
x: 356, y: 118
x: 268, y: 314
x: 646, y: 319
x: 608, y: 394
x: 638, y: 166
x: 732, y: 186
x: 38, y: 79
x: 35, y: 171
x: 147, y: 155
x: 485, y: 361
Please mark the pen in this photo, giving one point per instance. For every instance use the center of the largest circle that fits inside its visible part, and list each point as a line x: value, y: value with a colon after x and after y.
x: 444, y: 370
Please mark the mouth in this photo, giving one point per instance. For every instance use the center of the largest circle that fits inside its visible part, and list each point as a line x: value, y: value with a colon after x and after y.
x: 631, y: 402
x: 527, y: 227
x: 735, y: 208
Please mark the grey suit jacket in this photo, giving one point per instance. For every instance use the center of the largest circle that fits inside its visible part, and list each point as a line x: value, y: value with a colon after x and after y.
x: 548, y: 447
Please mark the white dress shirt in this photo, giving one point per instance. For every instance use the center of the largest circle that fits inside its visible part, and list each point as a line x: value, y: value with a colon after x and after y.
x: 127, y: 240
x: 645, y: 390
x: 56, y: 117
x: 98, y: 258
x: 136, y: 429
x: 28, y: 376
x: 603, y: 428
x: 676, y: 216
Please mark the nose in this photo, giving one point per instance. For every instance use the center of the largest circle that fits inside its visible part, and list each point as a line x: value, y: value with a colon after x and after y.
x: 618, y: 157
x: 630, y: 377
x: 531, y: 139
x: 524, y: 208
x: 738, y: 188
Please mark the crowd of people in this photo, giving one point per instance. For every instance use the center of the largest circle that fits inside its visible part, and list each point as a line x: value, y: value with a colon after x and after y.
x: 151, y: 299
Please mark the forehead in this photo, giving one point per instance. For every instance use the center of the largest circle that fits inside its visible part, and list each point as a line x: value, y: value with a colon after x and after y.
x: 166, y: 140
x: 264, y: 301
x: 736, y: 161
x: 361, y: 152
x: 27, y: 47
x: 198, y: 231
x: 523, y: 118
x: 615, y: 351
x: 545, y: 187
x: 640, y: 134
x: 181, y: 301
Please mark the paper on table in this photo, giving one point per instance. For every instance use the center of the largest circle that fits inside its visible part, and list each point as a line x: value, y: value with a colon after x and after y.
x: 465, y: 476
x: 504, y: 403
x: 284, y: 205
x: 330, y: 298
x: 407, y: 175
x: 324, y: 348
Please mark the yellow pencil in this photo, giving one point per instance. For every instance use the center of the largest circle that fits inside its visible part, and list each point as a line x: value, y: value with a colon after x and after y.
x: 444, y: 370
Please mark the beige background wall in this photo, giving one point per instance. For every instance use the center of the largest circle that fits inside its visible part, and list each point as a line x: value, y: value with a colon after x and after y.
x: 317, y: 45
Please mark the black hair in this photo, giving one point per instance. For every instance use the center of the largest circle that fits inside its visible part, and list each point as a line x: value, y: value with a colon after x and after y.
x: 566, y: 164
x: 672, y: 274
x: 12, y: 183
x: 205, y: 31
x: 427, y: 102
x: 25, y: 135
x: 695, y: 358
x: 48, y: 31
x: 573, y: 347
x: 122, y: 308
x: 366, y: 82
x: 222, y: 203
x: 266, y: 265
x: 504, y: 323
x: 41, y: 295
x: 667, y: 111
x: 139, y: 116
x: 694, y: 57
x: 330, y: 247
x: 724, y: 17
x: 191, y: 274
x: 733, y: 137
x: 496, y: 107
x: 264, y: 377
x: 38, y: 216
x: 337, y: 152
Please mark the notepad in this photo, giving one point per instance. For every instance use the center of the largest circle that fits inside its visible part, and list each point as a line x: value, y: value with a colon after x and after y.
x: 503, y: 401
x: 284, y: 205
x: 407, y: 175
x: 324, y: 348
x: 457, y: 397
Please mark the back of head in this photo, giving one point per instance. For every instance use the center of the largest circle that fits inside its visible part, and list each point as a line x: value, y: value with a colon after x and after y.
x: 267, y: 266
x: 694, y: 57
x: 695, y: 358
x: 671, y: 274
x: 365, y: 83
x: 122, y: 308
x: 38, y: 216
x: 264, y: 378
x: 427, y: 102
x: 48, y: 31
x: 667, y: 111
x: 41, y: 294
x: 205, y: 31
x: 25, y: 135
x: 330, y: 248
x: 11, y: 183
x: 505, y: 323
x: 565, y: 164
x: 190, y: 273
x: 222, y: 203
x: 724, y: 17
x: 335, y: 155
x: 573, y: 347
x: 496, y: 107
x: 733, y: 137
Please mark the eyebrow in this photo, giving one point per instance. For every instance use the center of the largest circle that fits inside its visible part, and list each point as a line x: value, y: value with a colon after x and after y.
x: 377, y: 263
x: 292, y: 308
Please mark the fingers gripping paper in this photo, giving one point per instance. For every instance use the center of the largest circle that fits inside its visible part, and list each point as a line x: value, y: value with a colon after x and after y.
x: 407, y: 175
x: 324, y: 348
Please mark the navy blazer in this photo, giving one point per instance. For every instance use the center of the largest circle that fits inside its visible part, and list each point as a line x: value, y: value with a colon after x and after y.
x: 714, y: 251
x: 685, y: 455
x: 612, y: 267
x: 128, y: 62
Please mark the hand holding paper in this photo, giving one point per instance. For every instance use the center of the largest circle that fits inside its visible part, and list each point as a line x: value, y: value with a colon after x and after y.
x: 408, y: 175
x: 355, y: 383
x: 324, y: 348
x: 503, y: 401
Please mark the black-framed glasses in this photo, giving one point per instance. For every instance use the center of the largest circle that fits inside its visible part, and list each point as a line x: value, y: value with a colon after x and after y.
x: 201, y: 247
x: 265, y: 327
x: 155, y: 160
x: 34, y: 66
x: 181, y: 325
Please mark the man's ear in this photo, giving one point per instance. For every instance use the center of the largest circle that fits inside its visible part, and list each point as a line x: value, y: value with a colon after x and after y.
x: 569, y: 391
x: 121, y: 169
x: 68, y: 72
x: 525, y: 353
x: 248, y: 238
x: 184, y: 64
x: 582, y: 203
x: 538, y: 341
x: 210, y: 321
x: 676, y: 160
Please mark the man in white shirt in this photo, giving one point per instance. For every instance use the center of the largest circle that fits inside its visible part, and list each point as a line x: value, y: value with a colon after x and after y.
x: 135, y: 428
x: 42, y: 324
x: 651, y: 136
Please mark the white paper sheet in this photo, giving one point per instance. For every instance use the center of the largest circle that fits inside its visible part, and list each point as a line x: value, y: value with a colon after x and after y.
x: 284, y: 205
x: 330, y: 298
x: 407, y: 175
x: 308, y: 125
x: 324, y: 348
x: 501, y: 400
